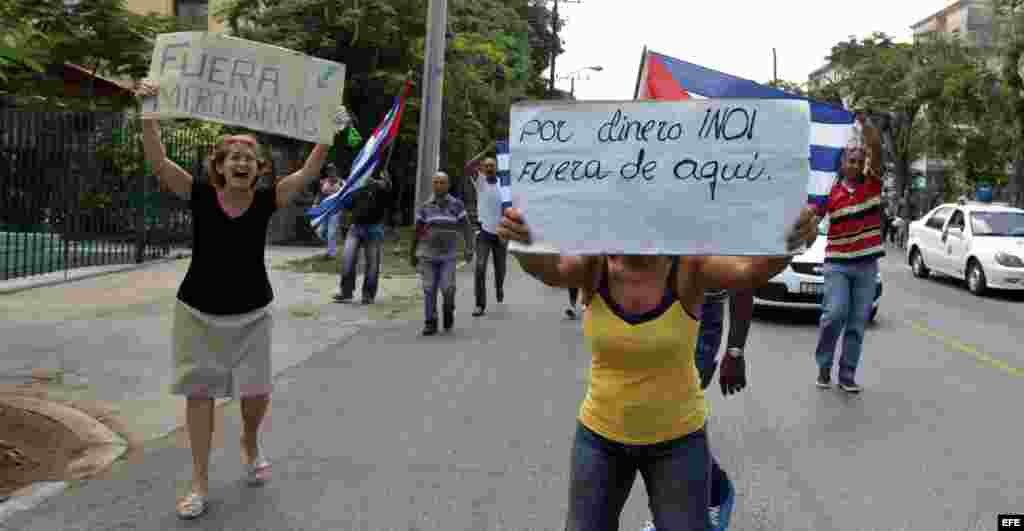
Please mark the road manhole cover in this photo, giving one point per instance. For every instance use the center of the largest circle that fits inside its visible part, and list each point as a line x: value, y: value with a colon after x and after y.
x: 33, y: 448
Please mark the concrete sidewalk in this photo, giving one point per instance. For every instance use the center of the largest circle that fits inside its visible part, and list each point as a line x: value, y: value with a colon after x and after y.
x: 101, y: 344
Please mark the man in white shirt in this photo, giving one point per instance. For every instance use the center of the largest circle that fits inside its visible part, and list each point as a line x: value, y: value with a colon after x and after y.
x: 488, y: 208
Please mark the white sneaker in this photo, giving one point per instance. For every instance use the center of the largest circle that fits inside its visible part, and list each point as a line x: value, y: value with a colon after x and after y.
x: 570, y: 312
x: 713, y: 514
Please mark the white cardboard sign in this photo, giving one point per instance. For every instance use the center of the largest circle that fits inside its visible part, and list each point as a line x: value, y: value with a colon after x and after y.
x: 695, y: 177
x: 244, y: 83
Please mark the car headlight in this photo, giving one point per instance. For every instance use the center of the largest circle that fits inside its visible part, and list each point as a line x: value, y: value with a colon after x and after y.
x: 1008, y: 260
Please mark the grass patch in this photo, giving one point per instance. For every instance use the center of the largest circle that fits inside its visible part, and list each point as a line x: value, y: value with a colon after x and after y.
x: 394, y: 262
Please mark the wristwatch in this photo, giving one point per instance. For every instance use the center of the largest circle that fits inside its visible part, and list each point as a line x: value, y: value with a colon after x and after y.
x: 735, y: 352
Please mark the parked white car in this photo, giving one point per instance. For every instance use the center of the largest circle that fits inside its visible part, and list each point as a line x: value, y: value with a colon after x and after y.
x: 982, y: 243
x: 802, y: 284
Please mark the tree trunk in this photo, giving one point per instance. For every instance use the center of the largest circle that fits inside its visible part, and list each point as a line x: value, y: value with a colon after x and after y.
x: 902, y: 175
x: 1016, y: 184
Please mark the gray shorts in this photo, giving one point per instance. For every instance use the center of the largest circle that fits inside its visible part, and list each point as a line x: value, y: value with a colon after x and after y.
x: 217, y: 360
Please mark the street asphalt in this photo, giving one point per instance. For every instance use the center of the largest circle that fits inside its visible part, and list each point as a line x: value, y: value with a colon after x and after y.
x: 380, y: 429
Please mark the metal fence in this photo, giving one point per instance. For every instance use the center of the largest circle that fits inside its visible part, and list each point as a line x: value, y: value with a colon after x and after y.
x: 75, y: 191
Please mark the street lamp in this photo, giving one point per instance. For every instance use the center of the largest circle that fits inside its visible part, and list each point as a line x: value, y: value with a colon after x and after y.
x: 571, y: 76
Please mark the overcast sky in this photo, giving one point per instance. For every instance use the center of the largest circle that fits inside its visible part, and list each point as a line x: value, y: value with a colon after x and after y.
x: 733, y: 36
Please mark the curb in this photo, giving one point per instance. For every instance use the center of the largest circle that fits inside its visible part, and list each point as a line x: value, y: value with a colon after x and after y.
x: 30, y: 497
x: 72, y: 276
x: 103, y: 447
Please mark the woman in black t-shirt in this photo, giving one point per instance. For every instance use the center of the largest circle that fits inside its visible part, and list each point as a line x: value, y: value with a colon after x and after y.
x: 222, y: 324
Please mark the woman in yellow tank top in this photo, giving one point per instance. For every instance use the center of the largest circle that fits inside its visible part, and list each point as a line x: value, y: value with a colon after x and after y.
x: 644, y: 410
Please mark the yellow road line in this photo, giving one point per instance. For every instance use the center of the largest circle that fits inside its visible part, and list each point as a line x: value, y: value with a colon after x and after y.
x: 982, y: 357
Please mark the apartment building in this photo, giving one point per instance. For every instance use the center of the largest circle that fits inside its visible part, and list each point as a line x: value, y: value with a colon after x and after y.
x: 970, y: 20
x: 198, y: 14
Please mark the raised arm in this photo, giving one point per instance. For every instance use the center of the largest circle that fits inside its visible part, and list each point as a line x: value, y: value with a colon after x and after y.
x: 873, y: 148
x: 750, y: 272
x: 473, y: 164
x: 551, y: 269
x: 556, y: 270
x: 166, y: 170
x: 290, y: 186
x: 739, y: 272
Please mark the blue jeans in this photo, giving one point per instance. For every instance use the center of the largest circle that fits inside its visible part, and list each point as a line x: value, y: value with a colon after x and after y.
x: 328, y: 232
x: 709, y: 339
x: 677, y: 475
x: 849, y: 294
x: 359, y: 238
x: 437, y: 275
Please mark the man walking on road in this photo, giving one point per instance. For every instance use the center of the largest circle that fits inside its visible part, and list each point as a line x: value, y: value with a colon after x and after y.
x: 439, y: 221
x: 854, y: 207
x: 488, y: 204
x: 369, y: 209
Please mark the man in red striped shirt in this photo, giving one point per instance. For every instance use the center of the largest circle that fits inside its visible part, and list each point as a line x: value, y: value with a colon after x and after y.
x: 854, y: 208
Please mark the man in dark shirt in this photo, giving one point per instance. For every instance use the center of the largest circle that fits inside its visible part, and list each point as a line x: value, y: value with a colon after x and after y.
x: 369, y: 210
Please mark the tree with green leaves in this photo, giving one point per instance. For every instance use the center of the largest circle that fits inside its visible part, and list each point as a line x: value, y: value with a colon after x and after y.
x: 101, y: 36
x: 966, y: 120
x: 490, y: 61
x: 894, y: 83
x: 1008, y: 51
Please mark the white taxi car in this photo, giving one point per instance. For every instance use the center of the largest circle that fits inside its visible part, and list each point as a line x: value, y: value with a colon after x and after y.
x: 802, y: 284
x: 982, y: 243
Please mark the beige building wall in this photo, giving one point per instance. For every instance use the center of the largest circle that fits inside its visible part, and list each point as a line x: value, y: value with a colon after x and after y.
x: 166, y: 7
x: 145, y: 7
x: 967, y: 19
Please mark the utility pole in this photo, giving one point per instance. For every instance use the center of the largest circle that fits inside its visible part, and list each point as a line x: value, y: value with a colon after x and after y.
x: 554, y: 49
x: 432, y: 109
x: 558, y: 42
x: 775, y: 67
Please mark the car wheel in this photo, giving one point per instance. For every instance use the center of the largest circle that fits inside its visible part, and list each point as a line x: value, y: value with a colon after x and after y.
x: 917, y: 264
x: 976, y: 282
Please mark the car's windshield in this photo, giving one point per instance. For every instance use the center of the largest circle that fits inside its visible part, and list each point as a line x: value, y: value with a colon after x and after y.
x: 997, y: 223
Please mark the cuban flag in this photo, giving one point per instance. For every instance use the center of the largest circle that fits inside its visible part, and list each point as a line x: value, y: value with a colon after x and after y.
x: 666, y: 78
x: 365, y: 164
x: 504, y: 173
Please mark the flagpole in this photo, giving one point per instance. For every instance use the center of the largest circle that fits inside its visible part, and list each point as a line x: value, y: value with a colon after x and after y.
x: 639, y: 72
x: 391, y: 148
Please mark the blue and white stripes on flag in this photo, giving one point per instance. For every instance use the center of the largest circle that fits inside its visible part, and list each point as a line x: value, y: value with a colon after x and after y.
x: 364, y: 165
x: 504, y: 174
x: 663, y: 77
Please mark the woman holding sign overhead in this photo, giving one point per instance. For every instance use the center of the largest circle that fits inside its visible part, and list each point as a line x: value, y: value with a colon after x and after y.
x: 644, y: 410
x: 222, y: 324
